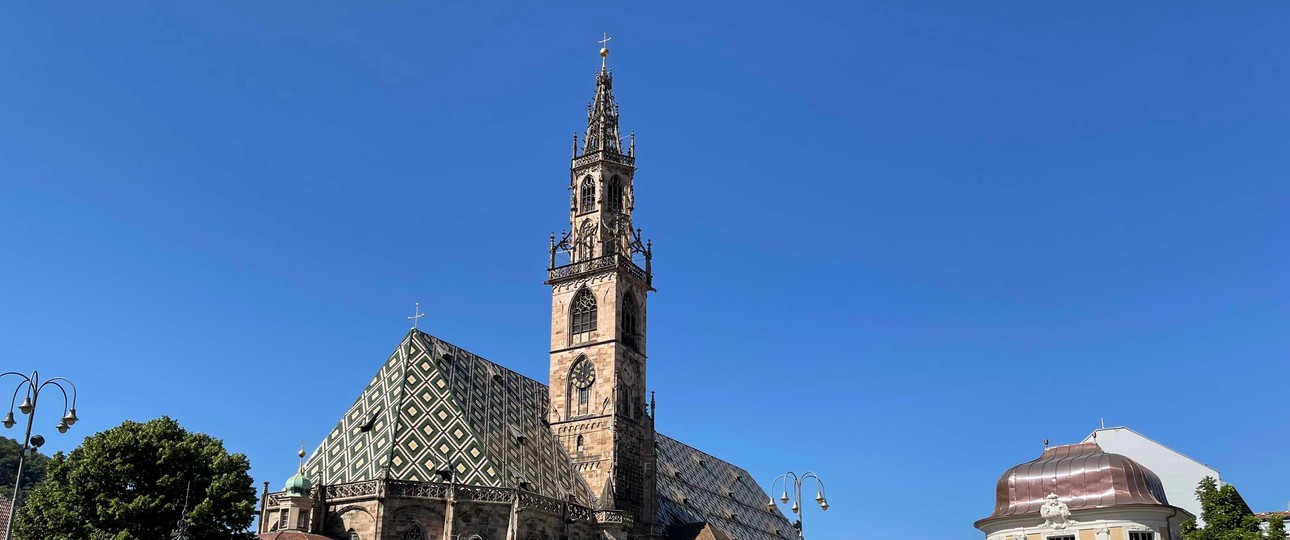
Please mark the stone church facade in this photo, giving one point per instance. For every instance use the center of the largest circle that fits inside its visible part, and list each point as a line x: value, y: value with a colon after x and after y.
x: 444, y: 444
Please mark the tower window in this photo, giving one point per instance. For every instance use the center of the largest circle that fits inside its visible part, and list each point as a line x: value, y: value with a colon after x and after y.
x: 584, y: 312
x: 615, y: 197
x: 630, y: 320
x: 588, y: 199
x: 580, y: 443
x: 283, y: 519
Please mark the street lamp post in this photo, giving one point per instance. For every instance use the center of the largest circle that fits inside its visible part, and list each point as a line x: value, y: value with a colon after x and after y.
x: 796, y: 485
x: 31, y: 442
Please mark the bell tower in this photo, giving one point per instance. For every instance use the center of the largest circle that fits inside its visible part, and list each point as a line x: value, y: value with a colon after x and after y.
x: 599, y: 291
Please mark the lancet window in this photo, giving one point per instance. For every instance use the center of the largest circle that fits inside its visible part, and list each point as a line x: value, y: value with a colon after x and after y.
x: 588, y: 200
x: 615, y: 196
x: 630, y: 319
x: 583, y: 313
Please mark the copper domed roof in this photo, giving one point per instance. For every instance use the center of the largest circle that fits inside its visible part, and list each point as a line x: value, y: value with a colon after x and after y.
x: 1082, y: 476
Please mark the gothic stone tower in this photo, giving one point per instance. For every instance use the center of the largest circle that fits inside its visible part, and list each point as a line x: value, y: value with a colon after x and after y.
x: 598, y: 298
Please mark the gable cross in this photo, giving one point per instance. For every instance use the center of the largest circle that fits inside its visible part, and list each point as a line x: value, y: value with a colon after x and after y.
x: 416, y: 316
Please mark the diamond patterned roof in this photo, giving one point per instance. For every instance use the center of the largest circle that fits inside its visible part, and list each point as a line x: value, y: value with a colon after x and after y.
x: 433, y: 406
x: 694, y: 486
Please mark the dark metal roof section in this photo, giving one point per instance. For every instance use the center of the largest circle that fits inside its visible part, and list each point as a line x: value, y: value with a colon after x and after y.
x: 1082, y: 476
x: 698, y: 490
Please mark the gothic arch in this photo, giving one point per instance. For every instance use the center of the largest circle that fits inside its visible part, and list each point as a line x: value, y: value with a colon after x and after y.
x: 614, y: 194
x: 587, y: 198
x: 582, y: 312
x: 629, y: 320
x: 349, y: 519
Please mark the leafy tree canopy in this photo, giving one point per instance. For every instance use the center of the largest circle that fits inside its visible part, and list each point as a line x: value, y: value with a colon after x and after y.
x: 129, y: 483
x: 1225, y: 514
x: 1276, y: 528
x: 33, y: 470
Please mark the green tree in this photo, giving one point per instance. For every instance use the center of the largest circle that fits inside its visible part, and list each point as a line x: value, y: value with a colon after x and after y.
x: 129, y: 483
x: 1276, y: 527
x: 33, y: 469
x: 1225, y: 514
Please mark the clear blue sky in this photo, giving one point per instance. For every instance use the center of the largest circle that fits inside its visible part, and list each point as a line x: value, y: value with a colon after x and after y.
x: 899, y: 245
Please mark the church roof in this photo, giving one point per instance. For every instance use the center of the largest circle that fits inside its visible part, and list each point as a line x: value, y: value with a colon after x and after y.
x: 435, y: 407
x: 695, y: 487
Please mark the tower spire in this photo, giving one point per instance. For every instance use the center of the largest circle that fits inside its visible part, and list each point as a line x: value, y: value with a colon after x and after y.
x: 602, y: 114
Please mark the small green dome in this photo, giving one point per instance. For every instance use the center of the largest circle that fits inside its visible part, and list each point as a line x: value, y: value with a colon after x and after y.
x: 298, y: 485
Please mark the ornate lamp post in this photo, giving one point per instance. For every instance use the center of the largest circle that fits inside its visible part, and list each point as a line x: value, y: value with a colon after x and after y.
x: 796, y: 484
x: 30, y: 442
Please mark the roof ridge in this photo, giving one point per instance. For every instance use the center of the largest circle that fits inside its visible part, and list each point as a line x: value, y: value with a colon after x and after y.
x: 463, y: 349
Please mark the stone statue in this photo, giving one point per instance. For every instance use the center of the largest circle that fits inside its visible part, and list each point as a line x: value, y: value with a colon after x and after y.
x: 1055, y: 513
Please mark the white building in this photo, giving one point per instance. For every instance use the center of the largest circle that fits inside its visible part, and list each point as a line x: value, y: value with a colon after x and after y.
x: 1179, y: 473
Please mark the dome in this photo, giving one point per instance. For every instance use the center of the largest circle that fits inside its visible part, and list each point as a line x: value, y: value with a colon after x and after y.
x: 298, y: 485
x: 1082, y: 476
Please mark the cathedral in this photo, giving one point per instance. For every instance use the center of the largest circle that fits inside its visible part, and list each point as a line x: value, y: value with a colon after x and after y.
x: 444, y: 444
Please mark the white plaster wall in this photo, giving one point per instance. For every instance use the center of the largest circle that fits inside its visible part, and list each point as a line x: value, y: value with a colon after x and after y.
x: 1179, y: 473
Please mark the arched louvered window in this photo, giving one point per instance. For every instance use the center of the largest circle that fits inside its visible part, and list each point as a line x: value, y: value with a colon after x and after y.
x: 588, y: 199
x: 615, y: 197
x: 583, y: 313
x: 630, y: 318
x: 353, y: 535
x: 415, y: 533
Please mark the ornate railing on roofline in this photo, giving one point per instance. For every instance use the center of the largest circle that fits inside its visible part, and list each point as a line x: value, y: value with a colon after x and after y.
x: 599, y: 155
x: 402, y: 489
x: 597, y: 264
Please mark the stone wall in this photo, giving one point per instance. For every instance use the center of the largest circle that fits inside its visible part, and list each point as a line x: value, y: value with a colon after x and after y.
x: 488, y: 520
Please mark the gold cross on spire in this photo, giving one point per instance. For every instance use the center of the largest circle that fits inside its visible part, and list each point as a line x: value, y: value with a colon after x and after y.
x: 604, y: 50
x: 416, y: 315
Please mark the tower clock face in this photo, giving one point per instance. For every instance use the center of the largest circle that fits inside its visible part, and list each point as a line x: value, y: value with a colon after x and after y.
x: 583, y: 374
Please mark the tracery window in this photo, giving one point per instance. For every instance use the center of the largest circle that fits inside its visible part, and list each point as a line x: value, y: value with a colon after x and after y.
x: 630, y: 318
x: 588, y: 199
x: 415, y: 534
x: 615, y: 196
x: 583, y: 312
